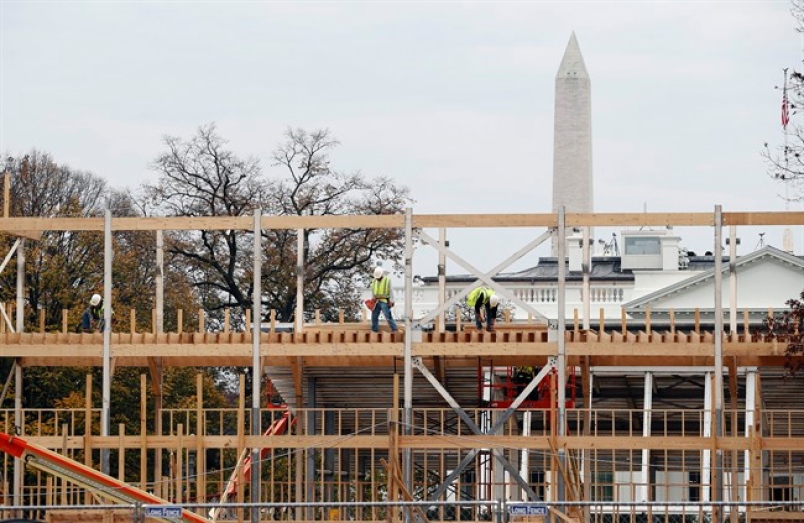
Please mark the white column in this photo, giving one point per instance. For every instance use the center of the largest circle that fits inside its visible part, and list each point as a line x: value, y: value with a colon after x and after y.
x: 160, y: 281
x: 21, y: 286
x: 442, y: 277
x: 642, y: 487
x: 706, y: 455
x: 107, y: 331
x: 299, y: 280
x: 750, y: 417
x: 524, y: 461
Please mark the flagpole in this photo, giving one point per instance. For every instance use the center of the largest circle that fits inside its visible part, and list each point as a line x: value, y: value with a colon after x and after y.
x: 787, y: 235
x: 786, y: 178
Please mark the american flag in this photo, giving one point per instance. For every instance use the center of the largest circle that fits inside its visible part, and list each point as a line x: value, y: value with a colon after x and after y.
x: 785, y: 108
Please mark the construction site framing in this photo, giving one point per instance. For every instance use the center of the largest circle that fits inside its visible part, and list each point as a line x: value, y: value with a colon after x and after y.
x: 406, y: 452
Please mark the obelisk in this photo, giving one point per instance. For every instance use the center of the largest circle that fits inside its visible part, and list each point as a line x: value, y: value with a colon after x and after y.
x: 572, y: 137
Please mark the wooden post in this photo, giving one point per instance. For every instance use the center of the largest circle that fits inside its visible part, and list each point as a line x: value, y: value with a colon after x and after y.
x: 133, y: 315
x: 647, y: 322
x: 273, y: 321
x: 6, y: 193
x: 602, y: 330
x: 64, y: 321
x: 64, y: 435
x: 41, y: 320
x: 143, y: 431
x: 248, y: 320
x: 697, y: 320
x: 179, y: 320
x: 200, y: 320
x: 88, y: 430
x: 623, y: 322
x: 121, y: 451
x: 340, y: 316
x: 241, y: 435
x: 746, y: 330
x: 179, y: 462
x: 226, y: 320
x: 673, y: 324
x: 317, y: 316
x: 200, y: 455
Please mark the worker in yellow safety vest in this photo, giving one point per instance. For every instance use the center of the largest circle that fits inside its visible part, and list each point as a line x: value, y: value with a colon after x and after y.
x: 384, y: 295
x: 484, y: 297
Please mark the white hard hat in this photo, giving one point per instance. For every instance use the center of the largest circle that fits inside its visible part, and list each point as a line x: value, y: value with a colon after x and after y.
x: 378, y: 272
x: 95, y: 300
x: 494, y: 300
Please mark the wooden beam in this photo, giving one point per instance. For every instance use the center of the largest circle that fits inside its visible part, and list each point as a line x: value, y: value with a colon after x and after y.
x: 17, y: 225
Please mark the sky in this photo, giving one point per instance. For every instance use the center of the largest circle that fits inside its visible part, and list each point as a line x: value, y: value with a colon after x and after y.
x: 452, y: 99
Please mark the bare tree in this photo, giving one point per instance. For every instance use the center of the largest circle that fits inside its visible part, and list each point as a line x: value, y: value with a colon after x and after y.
x: 786, y: 161
x: 336, y: 260
x: 200, y: 177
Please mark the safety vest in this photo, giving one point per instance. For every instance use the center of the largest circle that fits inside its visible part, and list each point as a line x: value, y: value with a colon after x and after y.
x: 483, y: 293
x: 381, y: 289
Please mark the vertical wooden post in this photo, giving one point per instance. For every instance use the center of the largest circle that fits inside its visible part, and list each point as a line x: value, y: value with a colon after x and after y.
x: 697, y: 320
x: 133, y: 320
x: 179, y: 321
x: 6, y: 193
x: 673, y: 323
x: 41, y: 320
x: 143, y: 432
x: 340, y: 316
x: 200, y: 455
x: 647, y: 322
x: 241, y: 436
x: 248, y: 320
x: 121, y: 451
x: 623, y: 322
x: 64, y: 435
x: 180, y: 462
x: 317, y: 316
x: 226, y: 320
x: 746, y: 330
x: 273, y: 321
x: 200, y: 320
x: 88, y: 430
x: 602, y: 330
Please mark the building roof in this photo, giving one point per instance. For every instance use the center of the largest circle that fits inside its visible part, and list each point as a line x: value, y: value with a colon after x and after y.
x: 764, y: 254
x: 604, y: 268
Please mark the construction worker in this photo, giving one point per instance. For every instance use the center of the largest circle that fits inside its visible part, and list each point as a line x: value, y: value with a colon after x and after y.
x: 522, y: 377
x: 484, y: 297
x: 383, y: 293
x: 92, y: 319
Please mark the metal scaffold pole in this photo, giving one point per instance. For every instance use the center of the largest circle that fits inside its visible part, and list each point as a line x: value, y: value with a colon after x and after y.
x: 107, y: 333
x: 255, y: 365
x: 408, y: 383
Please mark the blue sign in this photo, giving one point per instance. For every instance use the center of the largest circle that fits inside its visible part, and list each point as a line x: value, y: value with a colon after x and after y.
x: 163, y: 512
x: 527, y: 509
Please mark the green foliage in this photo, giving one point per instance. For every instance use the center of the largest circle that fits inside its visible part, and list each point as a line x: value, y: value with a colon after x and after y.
x: 788, y: 327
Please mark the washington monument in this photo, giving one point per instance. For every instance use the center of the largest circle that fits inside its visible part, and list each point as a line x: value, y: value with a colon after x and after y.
x: 572, y: 137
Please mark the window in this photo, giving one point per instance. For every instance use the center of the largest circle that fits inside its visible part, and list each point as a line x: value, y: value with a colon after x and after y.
x: 604, y: 487
x: 642, y: 245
